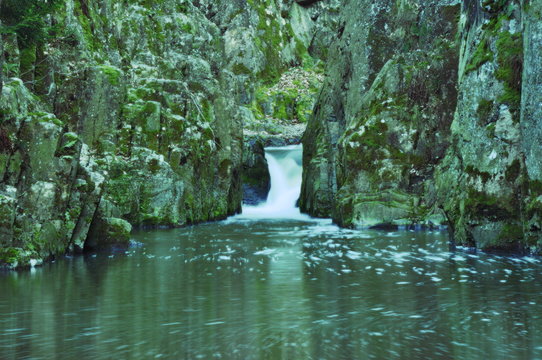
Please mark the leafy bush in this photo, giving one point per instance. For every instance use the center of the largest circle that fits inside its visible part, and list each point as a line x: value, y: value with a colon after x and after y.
x: 27, y: 19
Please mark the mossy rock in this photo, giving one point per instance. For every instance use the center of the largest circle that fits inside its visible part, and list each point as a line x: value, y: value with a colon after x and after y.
x: 14, y: 257
x: 482, y: 54
x: 107, y: 232
x: 510, y: 60
x: 500, y: 236
x: 112, y: 74
x: 9, y: 257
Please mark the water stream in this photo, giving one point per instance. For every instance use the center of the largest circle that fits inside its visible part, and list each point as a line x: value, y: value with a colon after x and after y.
x: 277, y: 287
x: 285, y: 170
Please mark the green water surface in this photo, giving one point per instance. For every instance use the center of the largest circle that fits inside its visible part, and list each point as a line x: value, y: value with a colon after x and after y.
x: 275, y: 289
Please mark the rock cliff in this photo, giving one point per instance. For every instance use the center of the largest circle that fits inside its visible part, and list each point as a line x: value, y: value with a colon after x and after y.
x: 430, y: 115
x: 131, y: 113
x: 127, y: 114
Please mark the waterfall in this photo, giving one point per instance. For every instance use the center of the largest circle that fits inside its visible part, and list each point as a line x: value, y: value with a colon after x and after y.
x: 285, y: 169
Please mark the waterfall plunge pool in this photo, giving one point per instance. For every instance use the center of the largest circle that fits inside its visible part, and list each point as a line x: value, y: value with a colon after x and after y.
x: 257, y: 286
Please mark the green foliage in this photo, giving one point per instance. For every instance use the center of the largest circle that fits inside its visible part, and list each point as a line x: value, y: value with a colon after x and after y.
x: 481, y: 55
x: 10, y: 256
x: 510, y: 60
x: 27, y: 59
x: 535, y: 186
x: 27, y: 19
x: 113, y: 74
x: 483, y: 204
x: 290, y: 99
x: 511, y: 233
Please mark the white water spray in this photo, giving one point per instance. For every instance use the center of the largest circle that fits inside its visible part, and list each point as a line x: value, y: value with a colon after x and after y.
x: 285, y: 169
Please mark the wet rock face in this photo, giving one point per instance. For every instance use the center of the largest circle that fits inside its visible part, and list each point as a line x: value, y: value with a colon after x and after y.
x: 531, y: 94
x: 428, y: 115
x: 485, y: 186
x: 382, y: 119
x: 256, y: 177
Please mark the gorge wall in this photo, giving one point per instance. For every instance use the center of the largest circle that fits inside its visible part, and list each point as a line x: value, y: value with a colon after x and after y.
x: 141, y: 113
x: 131, y: 113
x: 430, y: 114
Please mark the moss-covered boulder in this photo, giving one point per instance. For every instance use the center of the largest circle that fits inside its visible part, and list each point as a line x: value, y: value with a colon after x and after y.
x: 107, y: 232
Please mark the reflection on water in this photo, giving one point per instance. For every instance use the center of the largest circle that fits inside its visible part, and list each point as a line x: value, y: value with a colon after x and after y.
x: 245, y: 289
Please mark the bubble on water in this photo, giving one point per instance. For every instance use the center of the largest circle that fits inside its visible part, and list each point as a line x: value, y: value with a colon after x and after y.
x: 456, y: 343
x: 393, y: 234
x: 265, y: 252
x: 212, y: 323
x: 531, y: 260
x: 400, y: 257
x: 434, y: 258
x: 172, y: 324
x: 417, y: 270
x: 354, y: 255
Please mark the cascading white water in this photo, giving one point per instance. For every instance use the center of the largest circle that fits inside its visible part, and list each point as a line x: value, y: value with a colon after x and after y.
x: 285, y: 168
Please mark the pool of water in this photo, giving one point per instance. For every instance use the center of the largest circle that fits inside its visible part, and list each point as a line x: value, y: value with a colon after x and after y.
x: 275, y: 289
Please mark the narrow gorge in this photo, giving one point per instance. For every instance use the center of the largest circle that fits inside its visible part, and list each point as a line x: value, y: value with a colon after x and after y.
x: 118, y: 115
x: 121, y: 115
x: 270, y: 179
